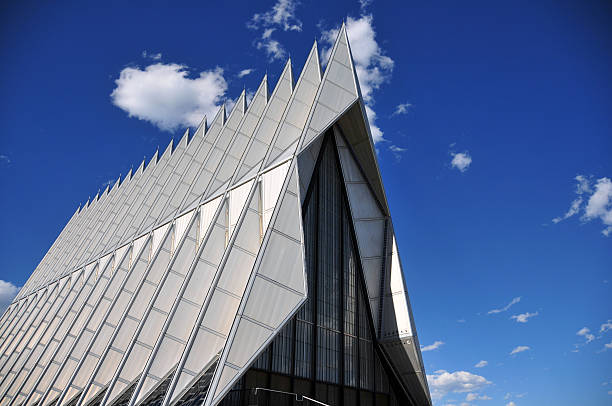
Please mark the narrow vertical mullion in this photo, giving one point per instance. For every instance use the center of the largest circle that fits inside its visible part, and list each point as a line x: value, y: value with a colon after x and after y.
x: 315, y: 296
x: 342, y: 293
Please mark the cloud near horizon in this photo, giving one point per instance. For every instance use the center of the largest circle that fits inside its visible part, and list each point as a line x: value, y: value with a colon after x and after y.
x: 442, y: 382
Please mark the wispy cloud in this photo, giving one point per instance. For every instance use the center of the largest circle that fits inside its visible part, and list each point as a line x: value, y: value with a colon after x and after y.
x: 520, y: 348
x: 165, y: 95
x: 506, y: 307
x: 523, y: 317
x: 153, y: 56
x: 461, y: 160
x: 481, y: 364
x: 8, y: 291
x: 281, y: 16
x: 433, y: 346
x: 401, y: 108
x: 607, y: 346
x: 606, y: 326
x: 470, y: 397
x: 373, y: 67
x: 397, y: 151
x: 586, y: 333
x: 443, y: 382
x: 4, y: 159
x: 593, y: 200
x: 245, y: 72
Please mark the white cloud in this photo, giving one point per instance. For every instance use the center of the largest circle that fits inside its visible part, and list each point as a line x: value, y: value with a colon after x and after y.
x: 433, y: 346
x: 574, y: 208
x: 586, y: 333
x: 273, y: 49
x: 481, y: 364
x: 442, y: 383
x: 520, y: 348
x: 164, y: 95
x: 606, y: 326
x: 523, y: 317
x: 510, y: 404
x: 474, y: 396
x: 245, y: 72
x: 377, y: 134
x: 461, y: 160
x: 395, y: 148
x: 373, y: 67
x: 600, y: 204
x: 155, y: 57
x: 282, y: 15
x: 8, y: 291
x: 597, y: 206
x: 607, y: 346
x: 5, y: 159
x: 506, y: 307
x: 401, y: 108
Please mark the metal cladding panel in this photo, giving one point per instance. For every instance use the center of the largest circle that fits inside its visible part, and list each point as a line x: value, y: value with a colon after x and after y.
x: 285, y: 139
x: 123, y: 336
x: 267, y: 126
x: 156, y: 199
x: 184, y: 313
x: 275, y: 291
x: 337, y: 92
x: 307, y: 160
x: 239, y: 141
x: 207, y: 212
x: 100, y: 344
x: 205, y: 347
x: 250, y: 336
x: 151, y: 325
x: 76, y: 330
x: 158, y: 237
x: 200, y: 185
x: 237, y: 200
x: 180, y: 226
x: 198, y: 150
x: 267, y: 295
x: 272, y: 182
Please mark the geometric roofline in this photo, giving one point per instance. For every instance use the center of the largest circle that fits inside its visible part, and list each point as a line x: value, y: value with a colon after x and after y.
x: 220, y: 212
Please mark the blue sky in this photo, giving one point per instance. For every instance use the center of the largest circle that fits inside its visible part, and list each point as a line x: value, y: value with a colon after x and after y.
x: 494, y: 130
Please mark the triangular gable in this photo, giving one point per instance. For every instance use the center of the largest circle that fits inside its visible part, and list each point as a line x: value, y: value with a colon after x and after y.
x: 266, y: 128
x: 294, y: 119
x: 239, y: 141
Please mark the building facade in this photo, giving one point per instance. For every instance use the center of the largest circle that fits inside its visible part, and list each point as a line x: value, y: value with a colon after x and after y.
x: 253, y: 262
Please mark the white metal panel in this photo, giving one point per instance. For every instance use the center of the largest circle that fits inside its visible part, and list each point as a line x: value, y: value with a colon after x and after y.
x: 269, y: 303
x: 237, y: 201
x: 286, y: 139
x: 180, y: 226
x: 207, y: 212
x: 158, y: 235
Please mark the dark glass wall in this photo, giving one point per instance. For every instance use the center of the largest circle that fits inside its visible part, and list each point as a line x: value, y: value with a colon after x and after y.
x: 327, y: 350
